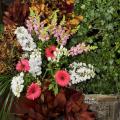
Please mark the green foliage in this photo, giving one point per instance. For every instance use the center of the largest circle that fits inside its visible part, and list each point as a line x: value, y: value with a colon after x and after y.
x: 100, y: 27
x: 7, y: 98
x: 54, y: 87
x: 1, y: 28
x: 28, y: 79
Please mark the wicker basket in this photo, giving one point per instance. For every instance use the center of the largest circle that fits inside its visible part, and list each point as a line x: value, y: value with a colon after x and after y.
x: 107, y: 107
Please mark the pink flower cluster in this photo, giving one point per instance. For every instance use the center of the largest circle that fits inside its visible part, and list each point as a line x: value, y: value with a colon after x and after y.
x: 33, y: 91
x: 23, y: 65
x: 49, y: 52
x: 62, y: 34
x: 34, y: 25
x: 29, y: 25
x: 62, y: 78
x: 79, y: 49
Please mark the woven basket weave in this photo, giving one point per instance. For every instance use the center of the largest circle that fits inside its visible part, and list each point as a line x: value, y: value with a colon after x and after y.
x: 107, y: 107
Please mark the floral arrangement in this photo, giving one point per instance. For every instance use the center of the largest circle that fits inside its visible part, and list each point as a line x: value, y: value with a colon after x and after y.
x: 44, y: 71
x: 45, y: 57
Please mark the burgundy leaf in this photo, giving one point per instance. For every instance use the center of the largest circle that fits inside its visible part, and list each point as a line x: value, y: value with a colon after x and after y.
x: 60, y: 100
x: 68, y: 103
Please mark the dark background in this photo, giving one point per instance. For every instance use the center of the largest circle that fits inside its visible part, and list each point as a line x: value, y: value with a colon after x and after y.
x: 1, y: 25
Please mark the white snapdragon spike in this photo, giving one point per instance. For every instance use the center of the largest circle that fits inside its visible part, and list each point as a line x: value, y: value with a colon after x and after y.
x: 63, y: 51
x: 25, y: 39
x: 17, y: 84
x: 80, y: 72
x: 35, y: 63
x: 20, y: 31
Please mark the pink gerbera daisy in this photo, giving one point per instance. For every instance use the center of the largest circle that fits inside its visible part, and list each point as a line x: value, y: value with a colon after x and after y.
x: 23, y: 65
x: 33, y: 91
x: 49, y: 52
x: 62, y: 78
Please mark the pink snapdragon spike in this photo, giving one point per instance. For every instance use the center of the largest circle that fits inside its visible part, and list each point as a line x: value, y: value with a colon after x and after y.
x: 33, y: 91
x: 43, y: 37
x: 29, y: 25
x: 62, y: 78
x: 23, y: 65
x: 61, y: 34
x: 78, y: 49
x: 49, y: 52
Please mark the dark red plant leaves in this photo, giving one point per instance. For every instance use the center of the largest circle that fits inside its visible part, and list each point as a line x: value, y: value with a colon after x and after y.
x: 87, y: 116
x: 60, y: 100
x: 16, y: 13
x: 68, y: 103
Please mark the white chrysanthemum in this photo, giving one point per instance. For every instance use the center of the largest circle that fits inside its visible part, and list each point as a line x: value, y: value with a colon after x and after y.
x: 25, y: 39
x: 80, y: 72
x: 17, y: 84
x: 35, y: 63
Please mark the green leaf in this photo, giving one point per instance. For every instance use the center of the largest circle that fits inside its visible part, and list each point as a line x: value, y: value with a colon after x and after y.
x: 56, y: 89
x: 3, y: 114
x: 51, y: 86
x: 62, y: 21
x: 10, y: 103
x: 1, y: 29
x: 93, y: 47
x: 32, y: 13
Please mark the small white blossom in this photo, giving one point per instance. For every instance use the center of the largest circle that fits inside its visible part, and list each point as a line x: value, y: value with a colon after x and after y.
x: 59, y: 53
x: 35, y: 63
x: 49, y: 58
x: 17, y: 84
x: 80, y: 72
x: 25, y: 39
x: 25, y: 55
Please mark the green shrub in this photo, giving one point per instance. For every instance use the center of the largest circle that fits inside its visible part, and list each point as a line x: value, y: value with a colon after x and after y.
x: 100, y: 27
